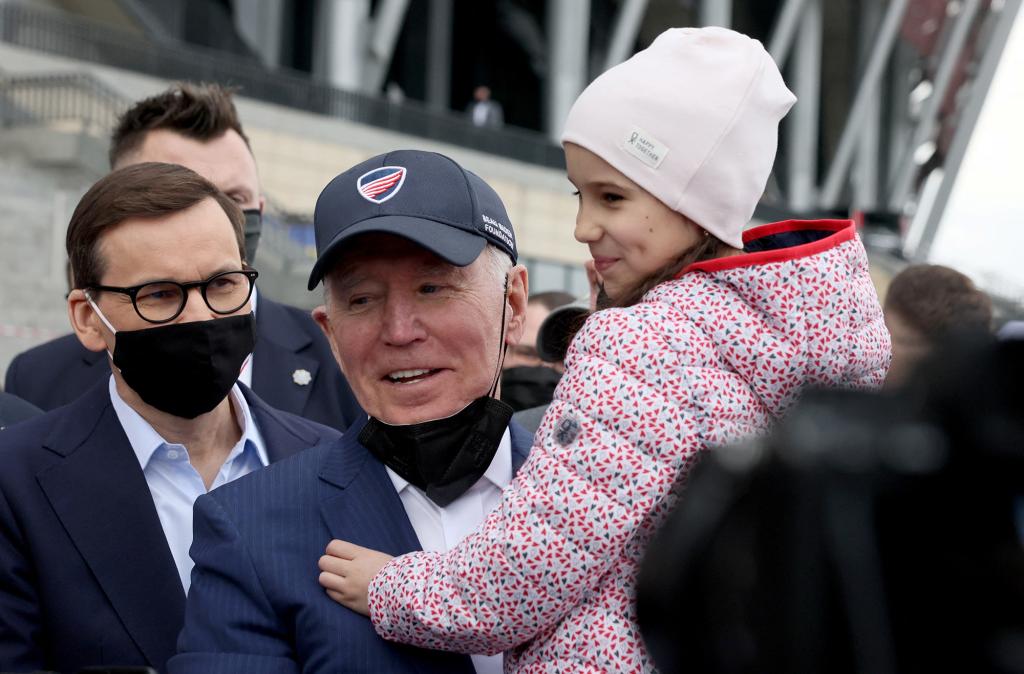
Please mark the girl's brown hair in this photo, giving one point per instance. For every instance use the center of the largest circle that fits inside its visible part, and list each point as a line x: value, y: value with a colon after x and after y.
x: 708, y: 248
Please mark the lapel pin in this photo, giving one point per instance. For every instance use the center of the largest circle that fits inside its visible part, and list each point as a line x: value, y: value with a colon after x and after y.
x: 302, y: 377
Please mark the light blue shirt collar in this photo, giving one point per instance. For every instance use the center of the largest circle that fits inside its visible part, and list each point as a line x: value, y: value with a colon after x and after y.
x: 174, y: 483
x: 145, y: 440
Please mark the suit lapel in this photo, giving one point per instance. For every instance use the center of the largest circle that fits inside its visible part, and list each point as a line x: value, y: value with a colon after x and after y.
x: 93, y: 367
x: 101, y: 497
x: 358, y: 501
x: 282, y: 436
x: 277, y: 359
x: 92, y: 358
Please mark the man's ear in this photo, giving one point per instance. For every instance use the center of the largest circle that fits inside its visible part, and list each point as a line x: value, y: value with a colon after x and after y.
x: 263, y: 204
x: 87, y: 324
x: 518, y: 294
x: 319, y: 315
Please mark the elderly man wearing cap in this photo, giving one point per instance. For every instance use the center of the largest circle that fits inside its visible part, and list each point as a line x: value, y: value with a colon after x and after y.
x: 422, y: 297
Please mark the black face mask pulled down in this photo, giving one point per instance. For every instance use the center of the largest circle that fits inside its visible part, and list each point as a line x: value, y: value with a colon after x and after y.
x: 444, y: 457
x: 253, y: 229
x: 185, y: 369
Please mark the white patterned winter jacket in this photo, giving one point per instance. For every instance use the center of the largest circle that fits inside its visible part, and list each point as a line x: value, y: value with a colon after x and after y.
x: 714, y: 356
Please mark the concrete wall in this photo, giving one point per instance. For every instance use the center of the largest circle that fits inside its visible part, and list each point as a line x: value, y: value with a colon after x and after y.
x: 44, y: 171
x: 299, y: 152
x: 37, y: 204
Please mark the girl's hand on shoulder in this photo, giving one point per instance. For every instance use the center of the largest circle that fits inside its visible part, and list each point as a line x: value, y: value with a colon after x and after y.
x: 346, y: 571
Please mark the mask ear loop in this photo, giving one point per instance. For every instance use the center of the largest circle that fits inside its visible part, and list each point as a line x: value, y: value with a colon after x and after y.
x: 502, y: 345
x: 98, y: 312
x: 102, y: 318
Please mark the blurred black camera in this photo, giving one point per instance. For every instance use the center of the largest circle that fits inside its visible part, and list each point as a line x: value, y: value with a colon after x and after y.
x: 868, y: 533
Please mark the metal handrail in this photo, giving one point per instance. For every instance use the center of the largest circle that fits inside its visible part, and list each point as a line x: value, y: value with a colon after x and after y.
x: 84, y: 39
x: 49, y: 98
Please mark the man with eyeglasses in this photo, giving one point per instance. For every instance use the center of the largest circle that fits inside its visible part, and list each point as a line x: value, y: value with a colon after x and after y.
x: 96, y: 497
x: 292, y: 368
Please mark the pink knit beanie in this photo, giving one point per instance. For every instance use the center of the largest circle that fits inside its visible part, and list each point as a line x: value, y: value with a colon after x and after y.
x: 693, y: 119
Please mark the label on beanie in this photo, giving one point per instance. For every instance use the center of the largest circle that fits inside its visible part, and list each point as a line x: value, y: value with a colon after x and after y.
x: 645, y: 147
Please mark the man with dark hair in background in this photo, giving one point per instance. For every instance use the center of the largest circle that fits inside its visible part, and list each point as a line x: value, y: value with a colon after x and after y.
x: 13, y: 409
x: 924, y: 305
x: 96, y: 497
x: 197, y: 126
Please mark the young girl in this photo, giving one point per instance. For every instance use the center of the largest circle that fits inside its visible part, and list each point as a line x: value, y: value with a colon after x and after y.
x: 715, y: 333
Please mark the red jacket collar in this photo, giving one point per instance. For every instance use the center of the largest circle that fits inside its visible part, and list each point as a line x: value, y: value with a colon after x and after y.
x: 841, y: 231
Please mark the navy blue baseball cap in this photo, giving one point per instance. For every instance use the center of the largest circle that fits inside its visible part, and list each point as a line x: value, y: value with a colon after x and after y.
x: 422, y: 196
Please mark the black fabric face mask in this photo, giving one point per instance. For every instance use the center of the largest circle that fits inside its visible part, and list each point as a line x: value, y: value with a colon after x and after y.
x: 443, y: 457
x: 253, y: 229
x: 185, y: 369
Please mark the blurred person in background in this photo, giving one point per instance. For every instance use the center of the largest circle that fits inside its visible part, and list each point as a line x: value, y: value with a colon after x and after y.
x: 538, y: 308
x: 13, y: 409
x: 96, y: 497
x: 554, y: 335
x: 527, y: 380
x: 484, y: 111
x: 422, y: 297
x: 714, y: 335
x: 197, y: 126
x: 925, y: 305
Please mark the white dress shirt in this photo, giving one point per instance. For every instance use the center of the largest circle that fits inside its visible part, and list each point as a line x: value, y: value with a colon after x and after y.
x: 174, y: 483
x: 440, y: 529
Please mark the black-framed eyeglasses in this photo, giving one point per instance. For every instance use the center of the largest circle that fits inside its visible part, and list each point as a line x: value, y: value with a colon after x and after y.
x: 163, y: 301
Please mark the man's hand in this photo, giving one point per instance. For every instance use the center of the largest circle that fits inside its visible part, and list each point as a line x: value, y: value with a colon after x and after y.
x: 346, y: 571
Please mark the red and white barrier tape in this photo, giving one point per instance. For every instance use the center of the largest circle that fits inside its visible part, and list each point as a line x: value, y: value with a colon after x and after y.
x: 29, y: 332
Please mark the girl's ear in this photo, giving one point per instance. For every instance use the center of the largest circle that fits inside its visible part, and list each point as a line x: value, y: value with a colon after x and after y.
x: 518, y: 294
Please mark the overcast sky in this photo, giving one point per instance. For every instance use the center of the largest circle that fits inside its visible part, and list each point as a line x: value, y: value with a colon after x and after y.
x: 982, y: 229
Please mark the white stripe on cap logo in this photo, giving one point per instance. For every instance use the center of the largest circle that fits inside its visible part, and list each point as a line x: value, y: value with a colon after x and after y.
x: 381, y: 184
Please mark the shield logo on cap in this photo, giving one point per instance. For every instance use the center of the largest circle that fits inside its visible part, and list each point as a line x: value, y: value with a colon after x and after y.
x: 381, y: 184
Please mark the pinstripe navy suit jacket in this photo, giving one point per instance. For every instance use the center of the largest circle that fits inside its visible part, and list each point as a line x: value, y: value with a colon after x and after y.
x: 255, y: 606
x: 86, y: 575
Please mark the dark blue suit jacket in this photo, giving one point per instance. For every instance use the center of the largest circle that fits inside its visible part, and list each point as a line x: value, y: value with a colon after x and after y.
x: 255, y: 606
x: 86, y: 575
x: 14, y: 409
x: 287, y: 339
